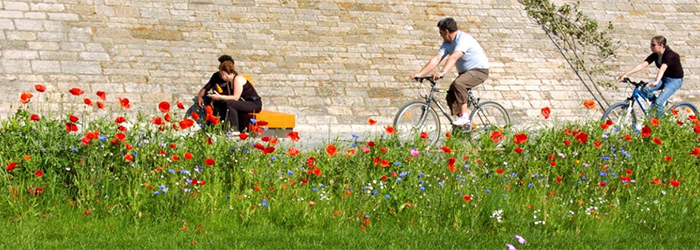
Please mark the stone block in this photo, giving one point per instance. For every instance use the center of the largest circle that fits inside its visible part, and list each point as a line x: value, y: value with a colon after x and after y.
x: 78, y: 67
x: 6, y: 24
x: 16, y: 66
x: 21, y: 35
x: 94, y: 56
x: 16, y: 6
x: 45, y: 66
x: 35, y: 25
x: 47, y: 7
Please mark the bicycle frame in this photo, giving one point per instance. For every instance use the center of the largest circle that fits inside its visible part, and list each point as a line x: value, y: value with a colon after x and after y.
x: 429, y: 99
x: 640, y: 98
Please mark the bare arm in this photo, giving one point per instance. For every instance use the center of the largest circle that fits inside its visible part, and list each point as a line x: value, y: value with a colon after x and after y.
x: 238, y: 83
x: 429, y: 66
x: 200, y: 95
x: 659, y: 74
x: 449, y: 64
x: 637, y: 68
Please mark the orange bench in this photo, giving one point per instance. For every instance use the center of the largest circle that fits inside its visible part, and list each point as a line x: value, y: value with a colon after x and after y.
x: 278, y: 124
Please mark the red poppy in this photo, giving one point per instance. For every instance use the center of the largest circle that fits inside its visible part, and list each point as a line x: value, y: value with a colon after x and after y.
x: 158, y: 121
x: 188, y: 156
x: 589, y: 104
x: 164, y: 107
x: 73, y: 118
x: 384, y: 163
x: 696, y: 129
x: 496, y: 136
x: 604, y: 126
x: 499, y: 171
x: 448, y: 135
x: 124, y: 103
x: 87, y: 101
x: 179, y: 105
x: 371, y: 122
x: 212, y: 119
x: 451, y: 164
x: 128, y: 146
x: 520, y: 138
x: 675, y: 183
x: 34, y: 117
x: 243, y: 136
x: 602, y: 184
x: 122, y: 128
x: 209, y: 161
x: 195, y: 115
x: 120, y: 136
x: 424, y: 135
x: 293, y: 151
x: 76, y: 91
x: 40, y: 88
x: 654, y: 122
x: 567, y: 142
x: 119, y: 119
x: 558, y: 178
x: 128, y: 157
x: 268, y: 150
x: 545, y: 112
x: 446, y: 149
x: 371, y: 144
x: 71, y: 127
x: 667, y: 158
x: 628, y: 137
x: 331, y: 150
x: 646, y: 131
x: 383, y: 149
x: 467, y: 198
x: 553, y: 163
x: 317, y: 172
x: 24, y: 98
x: 518, y: 150
x: 102, y: 95
x: 100, y: 105
x: 597, y: 143
x: 390, y: 130
x: 11, y: 166
x: 38, y: 173
x: 582, y: 137
x: 186, y: 123
x: 657, y: 140
x: 294, y: 136
x: 695, y: 152
x: 609, y: 122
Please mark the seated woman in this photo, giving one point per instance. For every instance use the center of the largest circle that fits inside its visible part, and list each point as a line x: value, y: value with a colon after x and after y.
x: 233, y: 97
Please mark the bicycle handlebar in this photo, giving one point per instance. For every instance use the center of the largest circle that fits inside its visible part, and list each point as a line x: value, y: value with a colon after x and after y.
x: 422, y: 78
x: 636, y: 84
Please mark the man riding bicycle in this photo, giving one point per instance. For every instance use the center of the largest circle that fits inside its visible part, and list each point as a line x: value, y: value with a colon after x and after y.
x: 473, y: 67
x: 670, y: 75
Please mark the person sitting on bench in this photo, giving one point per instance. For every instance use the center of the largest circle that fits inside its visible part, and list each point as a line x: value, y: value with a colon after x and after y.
x: 233, y: 96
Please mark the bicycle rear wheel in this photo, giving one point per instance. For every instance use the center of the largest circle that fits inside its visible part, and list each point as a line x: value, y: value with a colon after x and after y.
x: 683, y: 112
x: 415, y: 118
x: 488, y: 117
x: 622, y: 115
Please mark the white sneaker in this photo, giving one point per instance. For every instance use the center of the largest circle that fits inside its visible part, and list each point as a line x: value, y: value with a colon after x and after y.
x: 233, y: 133
x: 461, y: 121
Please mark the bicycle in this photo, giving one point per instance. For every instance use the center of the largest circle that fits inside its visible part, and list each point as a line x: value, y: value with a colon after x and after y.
x: 626, y: 113
x: 419, y: 119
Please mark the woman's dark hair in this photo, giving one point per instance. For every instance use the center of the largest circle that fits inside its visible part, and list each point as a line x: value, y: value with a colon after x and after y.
x: 448, y: 24
x: 224, y: 58
x: 660, y: 40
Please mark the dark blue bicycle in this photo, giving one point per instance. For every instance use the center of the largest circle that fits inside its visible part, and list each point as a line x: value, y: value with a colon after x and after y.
x: 632, y: 112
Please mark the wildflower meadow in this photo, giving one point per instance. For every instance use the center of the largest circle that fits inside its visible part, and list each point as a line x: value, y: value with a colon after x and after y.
x: 126, y: 180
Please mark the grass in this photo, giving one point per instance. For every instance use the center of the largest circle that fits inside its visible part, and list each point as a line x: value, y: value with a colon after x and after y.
x: 139, y: 183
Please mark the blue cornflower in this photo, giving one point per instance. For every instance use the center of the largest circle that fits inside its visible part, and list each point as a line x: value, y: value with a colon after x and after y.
x: 420, y: 181
x: 264, y: 203
x: 602, y: 174
x: 74, y: 149
x: 398, y: 163
x: 354, y: 145
x: 102, y: 138
x: 252, y: 120
x: 289, y: 172
x: 463, y: 180
x: 422, y: 188
x: 321, y: 185
x: 172, y: 171
x: 134, y: 154
x: 156, y: 193
x: 613, y: 175
x: 458, y: 176
x: 530, y: 184
x: 513, y: 174
x: 402, y: 174
x: 488, y: 191
x: 273, y: 158
x: 374, y: 192
x: 466, y: 166
x: 398, y: 180
x: 232, y: 150
x: 537, y: 175
x: 441, y: 184
x: 315, y: 189
x: 387, y: 196
x: 420, y: 175
x: 605, y: 158
x: 584, y: 178
x: 355, y: 136
x: 228, y: 197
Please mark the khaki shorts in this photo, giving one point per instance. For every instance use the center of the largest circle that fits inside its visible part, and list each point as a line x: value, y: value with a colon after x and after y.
x: 457, y: 94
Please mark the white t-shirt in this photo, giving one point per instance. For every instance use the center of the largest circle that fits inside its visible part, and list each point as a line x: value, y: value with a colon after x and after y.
x: 474, y: 56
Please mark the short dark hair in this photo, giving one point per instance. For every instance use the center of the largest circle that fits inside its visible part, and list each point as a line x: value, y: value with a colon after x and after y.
x: 448, y: 24
x: 224, y: 58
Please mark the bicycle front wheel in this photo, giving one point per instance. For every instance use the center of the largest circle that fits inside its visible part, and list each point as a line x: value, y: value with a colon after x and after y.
x: 489, y: 116
x: 683, y: 112
x: 417, y: 120
x: 622, y: 116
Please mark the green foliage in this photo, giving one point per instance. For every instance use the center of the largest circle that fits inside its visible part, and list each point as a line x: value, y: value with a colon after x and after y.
x: 586, y: 44
x: 561, y: 184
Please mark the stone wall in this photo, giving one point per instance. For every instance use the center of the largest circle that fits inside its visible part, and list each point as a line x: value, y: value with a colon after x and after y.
x: 333, y: 63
